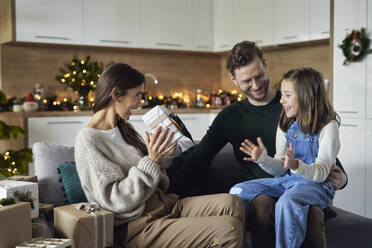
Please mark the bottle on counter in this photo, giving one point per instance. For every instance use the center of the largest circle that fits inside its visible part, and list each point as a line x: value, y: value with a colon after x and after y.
x: 199, y: 100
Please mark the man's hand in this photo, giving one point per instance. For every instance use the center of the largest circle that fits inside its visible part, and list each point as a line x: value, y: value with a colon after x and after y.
x: 336, y: 177
x: 252, y: 150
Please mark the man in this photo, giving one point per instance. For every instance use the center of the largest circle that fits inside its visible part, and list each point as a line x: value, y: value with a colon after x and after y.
x: 256, y: 116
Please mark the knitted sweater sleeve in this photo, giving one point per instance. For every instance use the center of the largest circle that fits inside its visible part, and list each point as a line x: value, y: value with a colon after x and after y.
x: 118, y: 182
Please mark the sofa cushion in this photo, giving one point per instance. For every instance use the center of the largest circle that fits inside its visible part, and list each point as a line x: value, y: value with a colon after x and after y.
x: 71, y: 183
x: 47, y: 158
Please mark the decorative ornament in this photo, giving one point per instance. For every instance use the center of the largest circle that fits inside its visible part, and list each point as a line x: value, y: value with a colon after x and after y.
x: 81, y: 76
x: 355, y: 46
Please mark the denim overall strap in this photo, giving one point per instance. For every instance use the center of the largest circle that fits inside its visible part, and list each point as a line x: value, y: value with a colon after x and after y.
x: 305, y: 146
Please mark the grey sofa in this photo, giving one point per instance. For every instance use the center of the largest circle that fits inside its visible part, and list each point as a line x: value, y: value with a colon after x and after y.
x: 343, y: 231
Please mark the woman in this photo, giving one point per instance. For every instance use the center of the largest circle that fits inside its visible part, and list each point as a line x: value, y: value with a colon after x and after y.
x: 126, y: 176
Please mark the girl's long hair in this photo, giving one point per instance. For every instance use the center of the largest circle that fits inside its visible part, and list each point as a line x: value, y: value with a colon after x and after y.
x: 315, y: 110
x: 123, y: 77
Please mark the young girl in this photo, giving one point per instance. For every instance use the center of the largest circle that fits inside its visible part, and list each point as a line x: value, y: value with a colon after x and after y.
x: 307, y: 143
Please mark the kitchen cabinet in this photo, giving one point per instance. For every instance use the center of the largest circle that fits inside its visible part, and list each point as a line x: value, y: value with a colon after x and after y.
x: 349, y: 82
x: 112, y: 23
x: 166, y: 24
x: 291, y: 21
x: 368, y: 179
x: 202, y: 25
x: 319, y: 19
x: 252, y: 20
x: 222, y: 22
x: 352, y: 156
x: 351, y: 94
x: 49, y: 21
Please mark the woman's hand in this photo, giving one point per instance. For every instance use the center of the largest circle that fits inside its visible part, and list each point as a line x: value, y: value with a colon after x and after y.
x: 336, y: 177
x: 157, y: 144
x: 289, y: 161
x: 252, y: 150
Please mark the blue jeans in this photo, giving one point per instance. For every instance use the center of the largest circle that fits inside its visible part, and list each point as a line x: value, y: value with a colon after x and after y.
x: 294, y: 193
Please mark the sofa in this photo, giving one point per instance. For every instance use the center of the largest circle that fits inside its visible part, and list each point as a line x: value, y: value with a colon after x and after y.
x: 343, y: 231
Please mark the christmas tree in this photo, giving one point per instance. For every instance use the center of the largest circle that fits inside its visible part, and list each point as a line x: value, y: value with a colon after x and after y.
x: 12, y: 162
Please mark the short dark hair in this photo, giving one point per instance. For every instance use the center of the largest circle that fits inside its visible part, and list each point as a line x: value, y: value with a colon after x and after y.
x: 243, y: 53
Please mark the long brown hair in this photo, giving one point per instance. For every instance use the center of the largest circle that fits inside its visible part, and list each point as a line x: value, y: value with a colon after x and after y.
x: 123, y: 77
x: 315, y: 110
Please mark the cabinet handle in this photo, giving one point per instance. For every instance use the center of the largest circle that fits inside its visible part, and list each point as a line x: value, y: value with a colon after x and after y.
x: 51, y: 37
x: 348, y: 112
x: 325, y: 32
x: 64, y: 122
x: 188, y: 118
x: 115, y: 41
x: 222, y: 46
x: 202, y: 46
x: 349, y: 125
x: 168, y: 44
x: 290, y: 37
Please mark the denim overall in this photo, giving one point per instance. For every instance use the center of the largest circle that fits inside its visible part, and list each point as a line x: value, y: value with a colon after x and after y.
x: 294, y: 193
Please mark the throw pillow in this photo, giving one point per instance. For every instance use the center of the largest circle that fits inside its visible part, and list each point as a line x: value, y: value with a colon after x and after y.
x: 71, y: 183
x: 47, y: 158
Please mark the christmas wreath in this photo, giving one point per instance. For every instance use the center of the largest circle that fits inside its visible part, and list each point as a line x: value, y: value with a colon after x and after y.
x: 355, y: 46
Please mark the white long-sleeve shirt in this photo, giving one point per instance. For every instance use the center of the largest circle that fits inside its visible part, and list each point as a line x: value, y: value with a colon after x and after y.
x: 329, y: 146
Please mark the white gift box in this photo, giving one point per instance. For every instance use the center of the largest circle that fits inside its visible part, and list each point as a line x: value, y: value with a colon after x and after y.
x: 159, y: 116
x: 9, y: 187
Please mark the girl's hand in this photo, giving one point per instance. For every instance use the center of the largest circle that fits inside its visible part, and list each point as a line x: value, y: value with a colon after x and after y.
x: 157, y: 142
x: 252, y: 150
x: 289, y: 161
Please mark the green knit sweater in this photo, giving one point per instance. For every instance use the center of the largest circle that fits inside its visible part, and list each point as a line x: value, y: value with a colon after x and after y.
x: 190, y: 172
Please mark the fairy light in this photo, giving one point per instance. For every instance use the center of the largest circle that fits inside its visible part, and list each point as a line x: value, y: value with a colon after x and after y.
x: 65, y: 99
x: 208, y: 105
x: 91, y: 99
x: 74, y: 72
x: 142, y: 101
x: 91, y: 82
x: 82, y: 62
x: 54, y: 103
x: 73, y: 80
x: 67, y: 75
x: 160, y: 97
x: 98, y: 75
x: 84, y: 71
x: 45, y: 101
x: 63, y: 80
x: 150, y: 98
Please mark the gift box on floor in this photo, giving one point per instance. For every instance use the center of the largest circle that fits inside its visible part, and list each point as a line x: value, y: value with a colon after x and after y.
x: 46, y: 242
x: 15, y: 225
x: 9, y: 187
x: 85, y: 229
x: 32, y: 179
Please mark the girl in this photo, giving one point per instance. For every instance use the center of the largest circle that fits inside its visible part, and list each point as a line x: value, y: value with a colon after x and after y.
x: 126, y: 176
x: 307, y: 143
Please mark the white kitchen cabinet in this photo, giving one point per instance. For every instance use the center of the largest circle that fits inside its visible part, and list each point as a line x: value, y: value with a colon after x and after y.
x: 166, y: 24
x: 349, y: 82
x: 112, y: 23
x: 319, y: 19
x: 352, y: 156
x: 369, y: 168
x: 369, y: 66
x: 292, y: 19
x: 222, y: 22
x: 202, y: 25
x: 252, y: 20
x: 49, y: 21
x: 55, y: 130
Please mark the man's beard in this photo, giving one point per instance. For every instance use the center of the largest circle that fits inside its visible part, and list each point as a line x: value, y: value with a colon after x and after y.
x: 265, y: 87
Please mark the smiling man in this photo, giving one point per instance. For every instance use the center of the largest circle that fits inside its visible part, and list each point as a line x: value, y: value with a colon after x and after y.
x: 255, y: 116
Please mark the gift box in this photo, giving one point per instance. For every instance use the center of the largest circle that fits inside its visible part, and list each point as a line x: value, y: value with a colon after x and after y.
x: 9, y: 187
x: 159, y: 116
x: 32, y: 179
x: 15, y: 225
x: 85, y: 229
x: 46, y: 242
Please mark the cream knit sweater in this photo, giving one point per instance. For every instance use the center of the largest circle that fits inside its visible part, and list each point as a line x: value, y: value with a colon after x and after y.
x: 114, y: 177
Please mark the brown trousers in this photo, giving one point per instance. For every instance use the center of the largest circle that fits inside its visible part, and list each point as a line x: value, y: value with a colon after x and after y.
x: 261, y: 217
x: 203, y: 221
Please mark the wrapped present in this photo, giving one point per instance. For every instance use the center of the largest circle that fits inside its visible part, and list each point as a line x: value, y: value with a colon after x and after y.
x: 15, y: 225
x: 46, y: 242
x: 85, y: 224
x: 32, y: 179
x: 28, y: 190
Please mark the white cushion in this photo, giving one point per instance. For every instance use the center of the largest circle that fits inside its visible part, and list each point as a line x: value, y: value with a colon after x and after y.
x: 47, y: 158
